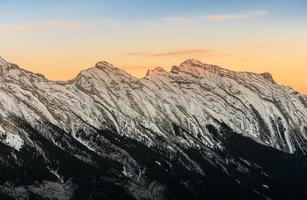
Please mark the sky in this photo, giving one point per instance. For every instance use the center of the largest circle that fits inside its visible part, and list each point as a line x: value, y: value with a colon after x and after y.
x: 60, y: 38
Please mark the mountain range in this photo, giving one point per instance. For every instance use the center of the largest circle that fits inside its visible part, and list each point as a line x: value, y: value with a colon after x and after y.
x: 198, y: 131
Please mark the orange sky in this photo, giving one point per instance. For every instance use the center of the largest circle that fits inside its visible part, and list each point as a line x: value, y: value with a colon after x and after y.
x: 272, y: 39
x: 286, y: 62
x: 287, y: 70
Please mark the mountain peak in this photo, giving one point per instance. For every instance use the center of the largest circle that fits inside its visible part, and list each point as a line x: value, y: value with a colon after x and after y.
x: 196, y: 68
x: 158, y: 71
x: 188, y: 66
x: 5, y: 66
x: 268, y: 77
x: 103, y: 65
x: 192, y: 62
x: 2, y: 61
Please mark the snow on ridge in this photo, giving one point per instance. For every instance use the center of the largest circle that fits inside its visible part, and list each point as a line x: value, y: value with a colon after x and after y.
x: 107, y: 96
x: 11, y: 140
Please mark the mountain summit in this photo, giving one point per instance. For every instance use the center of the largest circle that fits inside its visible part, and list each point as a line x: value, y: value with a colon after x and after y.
x: 2, y: 61
x: 199, y: 131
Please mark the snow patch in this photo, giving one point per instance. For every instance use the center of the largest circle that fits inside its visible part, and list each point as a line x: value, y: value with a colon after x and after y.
x: 11, y: 140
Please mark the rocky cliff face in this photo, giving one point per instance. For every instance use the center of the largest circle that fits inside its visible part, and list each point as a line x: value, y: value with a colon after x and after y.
x: 198, y: 131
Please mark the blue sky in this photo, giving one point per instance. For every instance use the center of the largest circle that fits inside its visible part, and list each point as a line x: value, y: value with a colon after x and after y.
x: 19, y: 11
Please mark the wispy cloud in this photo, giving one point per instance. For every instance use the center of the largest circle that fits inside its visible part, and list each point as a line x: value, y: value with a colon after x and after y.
x: 247, y: 15
x: 103, y: 21
x: 178, y: 52
x: 237, y: 16
x: 40, y: 26
x: 55, y: 24
x: 176, y: 19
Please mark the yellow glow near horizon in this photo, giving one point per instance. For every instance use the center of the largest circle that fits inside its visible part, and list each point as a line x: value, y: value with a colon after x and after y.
x: 286, y: 70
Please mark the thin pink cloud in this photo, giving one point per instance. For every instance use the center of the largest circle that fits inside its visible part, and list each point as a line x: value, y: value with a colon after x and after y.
x: 40, y: 26
x: 179, y: 52
x: 237, y: 16
x: 176, y: 19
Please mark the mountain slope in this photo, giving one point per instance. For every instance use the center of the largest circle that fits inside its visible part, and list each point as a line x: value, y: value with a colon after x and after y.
x: 167, y: 135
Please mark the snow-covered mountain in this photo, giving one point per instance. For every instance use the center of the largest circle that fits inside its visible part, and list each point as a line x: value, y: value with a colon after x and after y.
x: 196, y: 131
